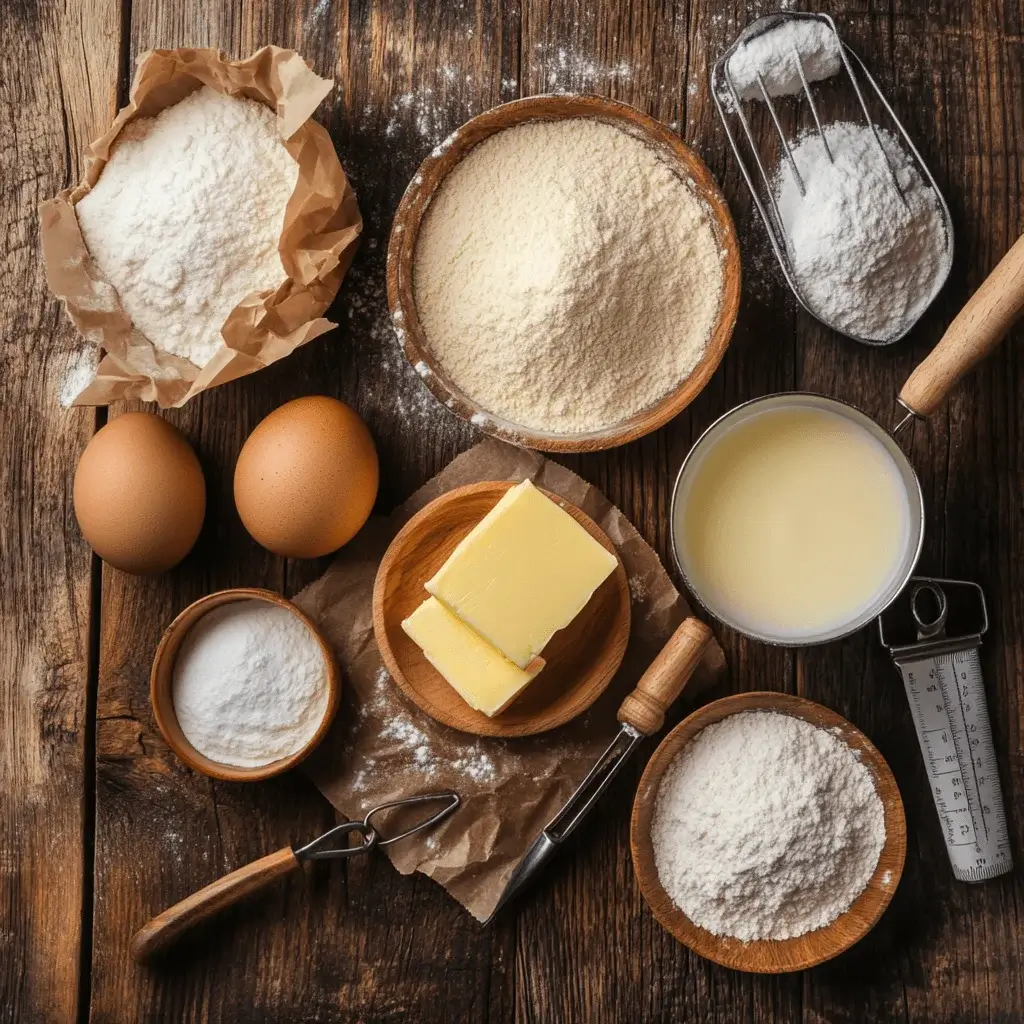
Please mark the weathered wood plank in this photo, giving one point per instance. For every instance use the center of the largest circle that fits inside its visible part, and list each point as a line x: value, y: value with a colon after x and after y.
x: 58, y: 74
x: 355, y: 942
x: 365, y: 944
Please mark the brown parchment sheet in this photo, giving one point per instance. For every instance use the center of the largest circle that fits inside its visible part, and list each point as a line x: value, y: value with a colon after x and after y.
x: 318, y: 239
x: 382, y: 747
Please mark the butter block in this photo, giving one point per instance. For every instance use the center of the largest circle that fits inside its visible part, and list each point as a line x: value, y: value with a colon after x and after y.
x: 483, y: 677
x: 525, y: 571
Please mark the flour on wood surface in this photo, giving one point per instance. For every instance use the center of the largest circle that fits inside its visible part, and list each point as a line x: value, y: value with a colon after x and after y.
x: 565, y: 277
x: 186, y: 217
x: 766, y: 827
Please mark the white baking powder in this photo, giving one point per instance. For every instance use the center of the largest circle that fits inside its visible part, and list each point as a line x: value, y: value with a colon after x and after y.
x: 775, y: 54
x: 250, y: 685
x: 866, y: 262
x: 185, y: 219
x: 565, y: 277
x: 766, y: 827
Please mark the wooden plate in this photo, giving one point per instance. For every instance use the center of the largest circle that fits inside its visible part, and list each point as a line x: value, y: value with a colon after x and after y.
x: 162, y: 700
x: 770, y: 956
x: 581, y: 659
x: 427, y: 180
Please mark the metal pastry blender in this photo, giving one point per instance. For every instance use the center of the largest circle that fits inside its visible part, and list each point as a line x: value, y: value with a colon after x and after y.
x: 641, y: 714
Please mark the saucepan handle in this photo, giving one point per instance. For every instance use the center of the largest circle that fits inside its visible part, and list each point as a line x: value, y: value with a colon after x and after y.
x: 166, y: 928
x: 645, y: 707
x: 976, y: 331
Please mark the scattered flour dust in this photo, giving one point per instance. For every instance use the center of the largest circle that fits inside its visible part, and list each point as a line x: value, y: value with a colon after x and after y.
x: 566, y: 277
x: 412, y: 744
x: 766, y: 827
x: 79, y: 372
x: 186, y: 217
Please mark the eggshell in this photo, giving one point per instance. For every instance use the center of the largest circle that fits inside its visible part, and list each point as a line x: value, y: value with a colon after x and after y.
x: 139, y: 494
x: 306, y: 478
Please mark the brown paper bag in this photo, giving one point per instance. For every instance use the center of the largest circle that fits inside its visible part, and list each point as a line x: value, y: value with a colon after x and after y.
x: 321, y: 228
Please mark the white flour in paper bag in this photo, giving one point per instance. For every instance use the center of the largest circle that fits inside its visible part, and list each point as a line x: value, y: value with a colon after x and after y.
x: 185, y: 219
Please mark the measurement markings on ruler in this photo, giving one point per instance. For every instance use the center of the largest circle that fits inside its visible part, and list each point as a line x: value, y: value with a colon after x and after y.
x: 947, y: 698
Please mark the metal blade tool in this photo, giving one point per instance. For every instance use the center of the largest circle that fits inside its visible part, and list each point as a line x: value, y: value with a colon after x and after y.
x: 641, y: 714
x: 942, y: 676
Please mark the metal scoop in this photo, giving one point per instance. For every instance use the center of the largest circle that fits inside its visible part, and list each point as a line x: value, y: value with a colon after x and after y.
x: 166, y: 928
x: 729, y: 106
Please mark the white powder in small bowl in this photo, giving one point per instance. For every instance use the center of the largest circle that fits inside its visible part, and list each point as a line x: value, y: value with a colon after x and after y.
x: 250, y: 685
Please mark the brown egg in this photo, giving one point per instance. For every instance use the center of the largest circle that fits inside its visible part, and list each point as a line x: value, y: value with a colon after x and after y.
x: 140, y: 496
x: 306, y: 477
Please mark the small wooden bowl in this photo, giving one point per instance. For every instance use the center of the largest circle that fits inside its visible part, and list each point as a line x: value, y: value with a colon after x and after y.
x: 581, y: 659
x: 428, y: 179
x: 770, y: 956
x: 162, y: 700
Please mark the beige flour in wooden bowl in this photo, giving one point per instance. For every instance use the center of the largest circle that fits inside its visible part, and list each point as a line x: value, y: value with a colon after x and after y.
x: 566, y: 277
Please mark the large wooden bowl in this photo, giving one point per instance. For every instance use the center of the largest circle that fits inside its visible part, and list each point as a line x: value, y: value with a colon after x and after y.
x: 581, y: 659
x: 770, y: 956
x: 427, y: 180
x: 162, y: 676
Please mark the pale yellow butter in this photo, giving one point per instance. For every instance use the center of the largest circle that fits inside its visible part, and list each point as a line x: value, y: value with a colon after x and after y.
x: 483, y: 677
x: 525, y: 571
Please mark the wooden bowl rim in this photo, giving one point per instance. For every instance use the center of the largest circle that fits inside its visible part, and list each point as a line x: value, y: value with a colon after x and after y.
x: 493, y: 727
x: 162, y: 673
x: 429, y: 178
x: 769, y: 956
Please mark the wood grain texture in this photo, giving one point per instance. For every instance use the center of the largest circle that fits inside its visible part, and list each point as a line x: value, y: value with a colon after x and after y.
x: 58, y: 79
x: 581, y: 660
x: 770, y: 956
x: 173, y: 924
x: 978, y: 328
x: 358, y: 942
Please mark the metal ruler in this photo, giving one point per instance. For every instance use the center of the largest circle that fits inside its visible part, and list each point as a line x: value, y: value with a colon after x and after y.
x: 942, y: 676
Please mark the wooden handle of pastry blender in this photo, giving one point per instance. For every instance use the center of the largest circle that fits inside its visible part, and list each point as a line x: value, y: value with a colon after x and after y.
x: 645, y: 707
x: 166, y: 928
x: 975, y: 332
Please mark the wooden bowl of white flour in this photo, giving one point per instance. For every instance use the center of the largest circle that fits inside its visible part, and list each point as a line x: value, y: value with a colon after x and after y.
x: 563, y: 272
x: 243, y: 686
x: 768, y: 833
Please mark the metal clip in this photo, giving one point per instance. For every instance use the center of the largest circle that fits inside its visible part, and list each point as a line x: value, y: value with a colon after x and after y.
x: 930, y: 625
x: 333, y: 844
x: 451, y: 804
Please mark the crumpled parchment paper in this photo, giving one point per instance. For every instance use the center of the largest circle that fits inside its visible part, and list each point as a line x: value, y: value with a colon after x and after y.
x: 318, y: 240
x: 381, y: 747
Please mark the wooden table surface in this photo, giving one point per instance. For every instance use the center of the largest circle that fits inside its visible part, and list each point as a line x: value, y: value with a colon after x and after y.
x: 100, y: 825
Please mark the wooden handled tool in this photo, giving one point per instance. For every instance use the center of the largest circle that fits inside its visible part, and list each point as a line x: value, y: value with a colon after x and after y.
x: 163, y: 930
x: 641, y: 714
x: 644, y: 709
x: 976, y: 331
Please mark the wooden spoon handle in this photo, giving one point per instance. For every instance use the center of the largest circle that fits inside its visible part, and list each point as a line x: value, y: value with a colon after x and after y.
x: 975, y: 332
x: 645, y: 707
x: 167, y: 927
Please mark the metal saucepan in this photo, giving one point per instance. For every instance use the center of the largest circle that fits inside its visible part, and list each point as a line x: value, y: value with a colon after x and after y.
x: 975, y: 332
